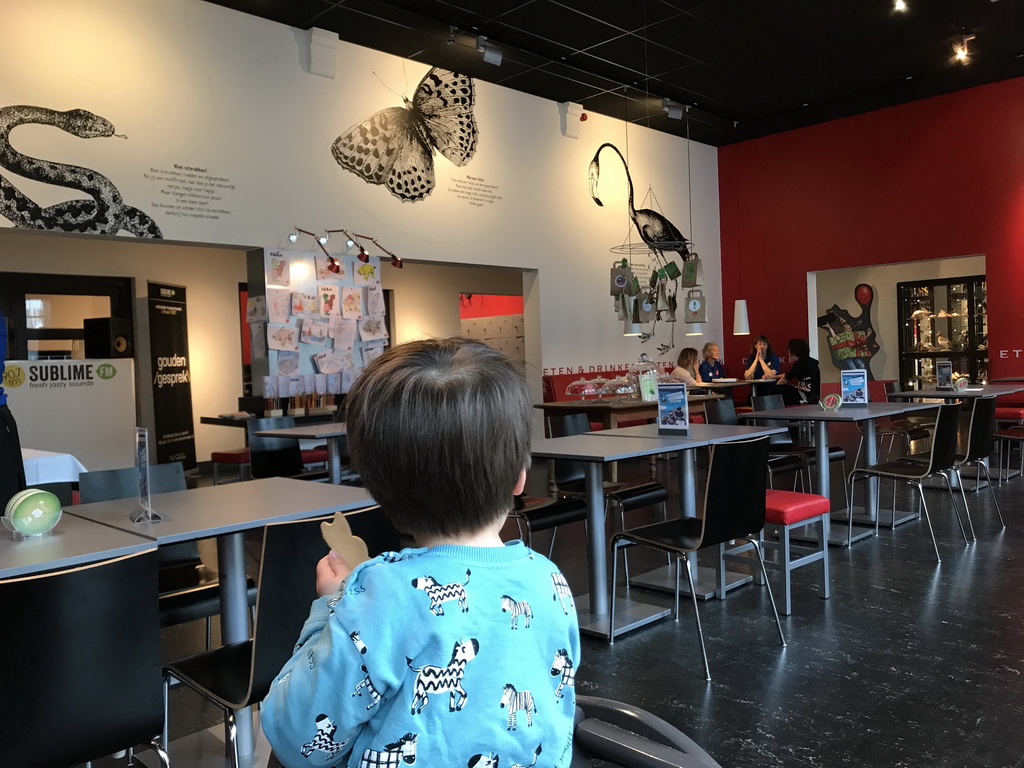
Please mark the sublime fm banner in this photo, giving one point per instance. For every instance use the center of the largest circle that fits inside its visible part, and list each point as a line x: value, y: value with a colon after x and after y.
x: 175, y: 438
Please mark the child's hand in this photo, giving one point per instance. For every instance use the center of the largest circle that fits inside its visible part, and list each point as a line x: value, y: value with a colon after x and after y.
x: 330, y: 572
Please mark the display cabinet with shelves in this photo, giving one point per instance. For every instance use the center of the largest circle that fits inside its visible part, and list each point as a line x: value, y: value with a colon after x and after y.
x: 942, y: 320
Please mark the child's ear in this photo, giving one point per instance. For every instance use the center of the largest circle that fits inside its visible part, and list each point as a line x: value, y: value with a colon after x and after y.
x: 520, y: 483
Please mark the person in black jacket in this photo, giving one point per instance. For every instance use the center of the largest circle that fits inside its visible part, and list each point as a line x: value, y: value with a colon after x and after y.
x: 12, y: 470
x: 802, y: 384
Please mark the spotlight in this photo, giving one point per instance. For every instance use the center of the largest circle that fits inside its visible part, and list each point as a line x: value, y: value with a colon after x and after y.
x: 961, y: 52
x: 492, y: 54
x: 294, y: 237
x: 899, y: 6
x: 322, y: 239
x: 333, y: 265
x: 363, y: 256
x: 396, y: 262
x: 675, y: 111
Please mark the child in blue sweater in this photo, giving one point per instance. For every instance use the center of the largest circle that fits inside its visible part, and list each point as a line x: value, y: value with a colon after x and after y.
x: 459, y: 652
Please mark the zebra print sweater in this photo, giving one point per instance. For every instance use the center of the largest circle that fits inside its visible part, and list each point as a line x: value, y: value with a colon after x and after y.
x: 451, y: 655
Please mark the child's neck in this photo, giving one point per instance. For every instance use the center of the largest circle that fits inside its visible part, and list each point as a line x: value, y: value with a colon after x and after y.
x: 485, y: 537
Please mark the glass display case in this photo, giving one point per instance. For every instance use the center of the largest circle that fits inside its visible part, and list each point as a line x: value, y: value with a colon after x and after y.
x: 942, y: 320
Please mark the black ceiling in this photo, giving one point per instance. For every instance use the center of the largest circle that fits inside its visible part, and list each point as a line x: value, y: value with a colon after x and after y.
x: 747, y: 68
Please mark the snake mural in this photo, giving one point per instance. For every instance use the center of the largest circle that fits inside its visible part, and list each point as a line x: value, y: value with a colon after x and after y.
x: 105, y: 214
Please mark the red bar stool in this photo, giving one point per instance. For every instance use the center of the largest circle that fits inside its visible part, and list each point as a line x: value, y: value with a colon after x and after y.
x: 784, y: 511
x: 236, y: 456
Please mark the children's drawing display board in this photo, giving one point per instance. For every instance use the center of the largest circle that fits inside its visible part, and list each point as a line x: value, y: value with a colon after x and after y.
x: 316, y: 315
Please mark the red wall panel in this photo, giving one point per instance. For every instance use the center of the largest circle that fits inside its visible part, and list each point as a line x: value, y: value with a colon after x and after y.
x: 936, y: 178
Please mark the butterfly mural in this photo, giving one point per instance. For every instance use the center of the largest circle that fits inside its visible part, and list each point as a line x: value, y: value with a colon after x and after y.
x: 395, y: 146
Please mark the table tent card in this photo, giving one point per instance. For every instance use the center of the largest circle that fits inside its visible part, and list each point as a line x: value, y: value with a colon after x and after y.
x: 854, y: 386
x: 673, y: 414
x: 943, y: 374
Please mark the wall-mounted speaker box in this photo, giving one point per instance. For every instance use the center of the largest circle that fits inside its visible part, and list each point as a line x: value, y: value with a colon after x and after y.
x: 108, y: 337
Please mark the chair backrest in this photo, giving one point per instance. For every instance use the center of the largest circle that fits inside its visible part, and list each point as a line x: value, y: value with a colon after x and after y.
x: 80, y: 663
x: 107, y: 484
x: 770, y: 403
x: 981, y: 435
x: 563, y: 425
x: 735, y: 509
x: 287, y: 586
x: 721, y: 412
x: 943, y: 451
x: 273, y: 456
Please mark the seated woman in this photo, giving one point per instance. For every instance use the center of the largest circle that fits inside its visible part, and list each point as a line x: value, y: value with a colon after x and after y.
x: 684, y: 370
x: 712, y: 367
x: 764, y: 363
x: 803, y: 382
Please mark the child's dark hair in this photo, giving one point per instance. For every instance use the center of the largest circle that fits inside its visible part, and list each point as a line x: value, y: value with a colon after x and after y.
x: 798, y: 347
x: 439, y: 430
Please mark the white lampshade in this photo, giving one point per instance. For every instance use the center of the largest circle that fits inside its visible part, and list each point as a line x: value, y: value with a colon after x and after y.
x: 740, y: 321
x: 695, y: 329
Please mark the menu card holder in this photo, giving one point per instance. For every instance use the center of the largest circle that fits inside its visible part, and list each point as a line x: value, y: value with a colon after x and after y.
x: 673, y: 414
x: 854, y: 386
x: 943, y: 374
x: 143, y: 513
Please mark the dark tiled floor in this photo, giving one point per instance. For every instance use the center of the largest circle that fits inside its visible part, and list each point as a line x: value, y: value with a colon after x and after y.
x: 910, y: 663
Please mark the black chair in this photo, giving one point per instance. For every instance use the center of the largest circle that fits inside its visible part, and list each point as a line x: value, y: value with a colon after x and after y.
x: 544, y: 513
x: 277, y: 456
x: 783, y: 443
x: 625, y: 735
x: 239, y: 675
x: 939, y: 460
x: 724, y: 412
x: 980, y: 442
x: 80, y: 664
x: 894, y: 427
x: 189, y: 590
x: 733, y: 509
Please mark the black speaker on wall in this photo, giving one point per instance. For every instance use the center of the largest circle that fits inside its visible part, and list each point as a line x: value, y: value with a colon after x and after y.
x: 108, y: 337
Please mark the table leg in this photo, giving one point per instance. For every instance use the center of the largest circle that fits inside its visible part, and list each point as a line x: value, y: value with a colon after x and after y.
x: 334, y: 459
x: 592, y: 609
x: 234, y: 618
x: 837, y: 534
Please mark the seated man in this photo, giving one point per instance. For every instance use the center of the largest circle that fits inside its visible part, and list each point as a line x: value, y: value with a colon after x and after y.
x: 802, y: 384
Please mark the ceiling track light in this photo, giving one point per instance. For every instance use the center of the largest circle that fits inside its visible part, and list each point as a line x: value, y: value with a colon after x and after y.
x: 492, y: 54
x: 900, y: 6
x: 351, y: 241
x: 675, y: 111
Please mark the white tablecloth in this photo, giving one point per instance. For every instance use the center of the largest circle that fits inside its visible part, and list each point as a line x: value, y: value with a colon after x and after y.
x: 50, y: 467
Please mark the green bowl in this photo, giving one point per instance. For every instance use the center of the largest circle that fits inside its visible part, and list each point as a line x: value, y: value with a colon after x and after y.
x: 32, y: 512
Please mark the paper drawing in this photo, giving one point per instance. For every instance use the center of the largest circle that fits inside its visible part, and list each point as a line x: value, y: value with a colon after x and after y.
x: 329, y: 304
x: 375, y: 300
x: 283, y: 337
x: 351, y: 303
x: 287, y: 363
x: 256, y: 309
x: 372, y: 329
x: 277, y: 269
x: 314, y: 332
x: 343, y: 332
x: 367, y: 274
x: 278, y: 306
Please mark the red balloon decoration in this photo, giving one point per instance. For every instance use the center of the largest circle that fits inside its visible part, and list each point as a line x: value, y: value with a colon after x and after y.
x: 864, y: 293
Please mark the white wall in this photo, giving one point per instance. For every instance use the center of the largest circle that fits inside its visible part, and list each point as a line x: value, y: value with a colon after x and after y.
x: 195, y: 85
x: 836, y: 286
x: 202, y: 86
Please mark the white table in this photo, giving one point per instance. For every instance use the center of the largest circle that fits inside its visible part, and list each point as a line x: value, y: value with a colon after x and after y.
x: 707, y: 582
x: 50, y: 467
x: 332, y: 431
x: 72, y: 543
x: 227, y: 511
x: 867, y: 413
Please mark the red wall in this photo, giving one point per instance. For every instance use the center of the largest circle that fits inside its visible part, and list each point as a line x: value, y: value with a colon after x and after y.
x: 487, y: 305
x: 935, y: 178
